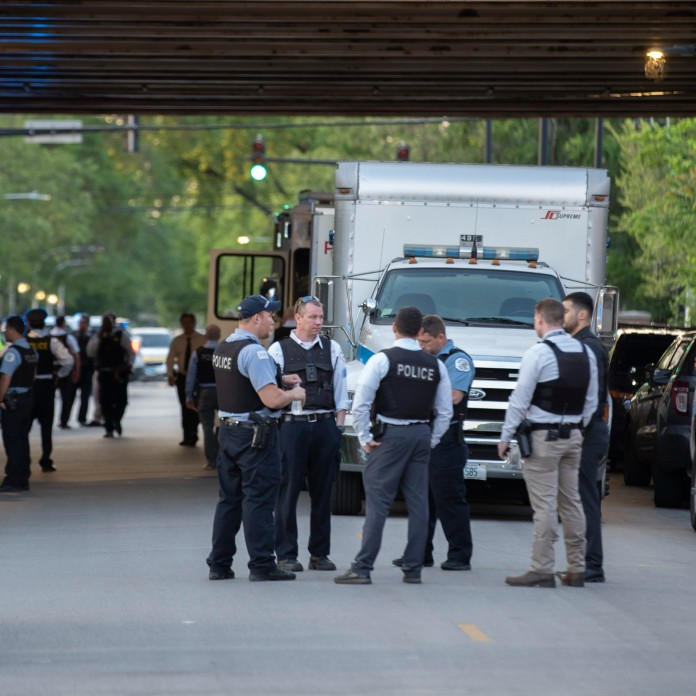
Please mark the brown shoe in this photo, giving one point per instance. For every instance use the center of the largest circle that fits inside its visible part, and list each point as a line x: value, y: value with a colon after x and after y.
x: 532, y: 579
x: 572, y: 579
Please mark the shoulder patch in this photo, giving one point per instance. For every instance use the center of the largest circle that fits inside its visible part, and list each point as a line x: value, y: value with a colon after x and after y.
x: 10, y: 356
x: 262, y: 355
x: 462, y: 364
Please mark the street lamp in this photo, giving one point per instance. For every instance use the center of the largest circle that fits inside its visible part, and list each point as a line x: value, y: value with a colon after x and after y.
x: 39, y: 295
x: 23, y: 287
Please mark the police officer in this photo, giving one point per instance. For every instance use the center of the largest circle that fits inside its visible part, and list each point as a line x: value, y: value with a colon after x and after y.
x: 67, y: 386
x: 310, y: 440
x: 84, y: 384
x: 578, y: 317
x: 201, y: 394
x: 249, y: 398
x: 113, y: 353
x: 406, y: 385
x: 557, y: 393
x: 17, y: 372
x: 447, y: 490
x: 54, y: 362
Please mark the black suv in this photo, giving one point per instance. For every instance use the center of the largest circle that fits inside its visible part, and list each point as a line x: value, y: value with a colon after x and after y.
x: 633, y: 349
x: 658, y: 425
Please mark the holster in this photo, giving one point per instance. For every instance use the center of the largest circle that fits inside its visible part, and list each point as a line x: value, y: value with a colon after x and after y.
x: 261, y: 431
x: 523, y: 435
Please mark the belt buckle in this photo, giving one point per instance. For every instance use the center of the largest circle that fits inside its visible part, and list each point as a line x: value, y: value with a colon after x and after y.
x: 312, y: 417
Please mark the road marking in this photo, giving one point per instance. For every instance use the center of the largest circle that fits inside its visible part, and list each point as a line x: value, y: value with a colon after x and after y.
x: 474, y: 632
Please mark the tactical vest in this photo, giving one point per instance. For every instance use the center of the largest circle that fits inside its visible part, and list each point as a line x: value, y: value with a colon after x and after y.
x: 315, y: 362
x: 459, y: 410
x: 408, y: 389
x: 565, y: 395
x: 23, y: 376
x: 236, y: 393
x: 205, y: 373
x: 111, y: 353
x: 46, y: 364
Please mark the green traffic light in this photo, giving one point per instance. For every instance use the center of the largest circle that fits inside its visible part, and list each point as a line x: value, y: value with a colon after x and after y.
x: 258, y: 172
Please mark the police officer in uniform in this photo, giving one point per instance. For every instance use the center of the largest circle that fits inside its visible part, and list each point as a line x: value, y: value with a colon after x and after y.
x: 249, y: 398
x: 310, y: 440
x: 406, y: 385
x: 17, y: 372
x: 201, y: 394
x: 54, y: 362
x: 578, y: 317
x: 84, y: 384
x: 111, y: 348
x: 556, y: 393
x: 447, y: 490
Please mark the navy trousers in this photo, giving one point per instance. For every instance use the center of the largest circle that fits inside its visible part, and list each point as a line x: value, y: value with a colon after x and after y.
x: 16, y: 425
x: 44, y: 412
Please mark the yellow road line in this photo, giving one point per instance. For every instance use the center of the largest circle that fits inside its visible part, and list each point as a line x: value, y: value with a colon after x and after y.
x: 474, y: 632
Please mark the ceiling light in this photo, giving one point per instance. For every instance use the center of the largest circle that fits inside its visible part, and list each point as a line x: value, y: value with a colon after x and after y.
x: 655, y: 65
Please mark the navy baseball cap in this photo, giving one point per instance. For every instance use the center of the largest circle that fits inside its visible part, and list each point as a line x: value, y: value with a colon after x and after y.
x: 254, y: 304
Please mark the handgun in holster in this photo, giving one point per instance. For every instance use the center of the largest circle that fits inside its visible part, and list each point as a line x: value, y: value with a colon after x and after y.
x: 261, y: 430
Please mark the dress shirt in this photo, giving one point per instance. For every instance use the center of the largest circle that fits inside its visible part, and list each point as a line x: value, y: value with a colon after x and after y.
x: 192, y: 374
x: 340, y: 386
x: 73, y: 345
x: 61, y: 355
x: 177, y: 351
x: 374, y: 372
x: 539, y: 365
x: 11, y: 360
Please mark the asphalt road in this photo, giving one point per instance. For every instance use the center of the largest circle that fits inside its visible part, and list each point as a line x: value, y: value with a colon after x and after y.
x: 104, y: 591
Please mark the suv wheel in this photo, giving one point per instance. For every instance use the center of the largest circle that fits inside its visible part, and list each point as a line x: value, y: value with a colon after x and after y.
x: 635, y: 471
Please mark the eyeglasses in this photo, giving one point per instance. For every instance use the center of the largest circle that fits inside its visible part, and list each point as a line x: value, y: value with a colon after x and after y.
x: 308, y: 298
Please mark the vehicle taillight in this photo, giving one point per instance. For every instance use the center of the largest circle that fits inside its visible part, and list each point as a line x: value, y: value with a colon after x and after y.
x: 680, y: 397
x: 135, y: 345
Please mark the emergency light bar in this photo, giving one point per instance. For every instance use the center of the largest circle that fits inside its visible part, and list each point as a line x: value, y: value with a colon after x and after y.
x: 459, y: 252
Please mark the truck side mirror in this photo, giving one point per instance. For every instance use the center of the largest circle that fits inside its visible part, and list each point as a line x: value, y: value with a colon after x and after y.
x: 369, y: 306
x: 607, y: 311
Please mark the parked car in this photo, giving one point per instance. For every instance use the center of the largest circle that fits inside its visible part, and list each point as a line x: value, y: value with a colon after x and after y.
x: 632, y: 350
x: 151, y: 346
x: 692, y: 482
x: 658, y: 425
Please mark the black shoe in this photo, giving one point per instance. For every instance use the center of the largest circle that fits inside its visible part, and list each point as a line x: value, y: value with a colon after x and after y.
x: 398, y: 562
x: 48, y: 467
x: 412, y: 579
x: 64, y: 426
x: 109, y: 435
x: 351, y: 578
x: 453, y: 564
x: 291, y: 565
x: 227, y: 574
x: 118, y: 429
x: 82, y: 422
x: 594, y: 576
x: 95, y: 424
x: 187, y: 443
x: 8, y: 488
x: 275, y: 574
x: 321, y: 563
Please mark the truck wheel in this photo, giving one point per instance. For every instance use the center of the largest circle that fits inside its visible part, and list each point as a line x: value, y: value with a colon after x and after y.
x: 346, y: 495
x: 670, y: 488
x: 635, y: 472
x: 692, y: 498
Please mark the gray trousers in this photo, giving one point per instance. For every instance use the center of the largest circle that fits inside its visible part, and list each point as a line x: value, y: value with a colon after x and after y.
x: 207, y: 405
x: 594, y: 447
x: 400, y: 460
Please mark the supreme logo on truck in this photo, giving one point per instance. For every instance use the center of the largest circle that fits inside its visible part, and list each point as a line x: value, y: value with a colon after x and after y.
x: 560, y: 215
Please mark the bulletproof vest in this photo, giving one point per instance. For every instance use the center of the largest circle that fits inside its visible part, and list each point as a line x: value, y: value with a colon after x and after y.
x: 205, y: 373
x: 408, y: 389
x: 63, y: 338
x: 111, y: 353
x: 23, y: 376
x: 46, y: 364
x: 459, y: 409
x: 315, y: 370
x: 596, y: 346
x: 236, y: 393
x: 565, y: 395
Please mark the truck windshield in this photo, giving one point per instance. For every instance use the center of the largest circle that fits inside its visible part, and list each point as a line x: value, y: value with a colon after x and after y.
x: 466, y: 295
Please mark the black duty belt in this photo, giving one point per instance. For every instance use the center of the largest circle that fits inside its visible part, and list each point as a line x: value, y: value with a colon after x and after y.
x: 555, y: 426
x: 307, y: 417
x: 236, y: 423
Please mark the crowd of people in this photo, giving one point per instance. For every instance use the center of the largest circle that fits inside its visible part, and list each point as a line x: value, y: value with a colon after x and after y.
x: 273, y: 418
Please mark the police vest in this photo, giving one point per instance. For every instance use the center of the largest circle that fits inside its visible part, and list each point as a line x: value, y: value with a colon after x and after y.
x: 111, y: 353
x: 408, y: 390
x: 205, y: 373
x: 46, y: 363
x: 565, y: 395
x: 315, y: 370
x: 459, y: 410
x: 236, y: 394
x: 23, y: 376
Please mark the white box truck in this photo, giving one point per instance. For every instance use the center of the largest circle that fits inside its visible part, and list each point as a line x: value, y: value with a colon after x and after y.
x: 477, y: 244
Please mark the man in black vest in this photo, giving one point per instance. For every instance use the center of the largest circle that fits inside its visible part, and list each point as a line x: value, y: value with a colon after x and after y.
x: 54, y: 362
x: 578, y: 317
x: 84, y: 384
x: 201, y: 394
x: 310, y: 439
x: 556, y: 393
x: 249, y: 399
x: 407, y: 387
x: 17, y: 371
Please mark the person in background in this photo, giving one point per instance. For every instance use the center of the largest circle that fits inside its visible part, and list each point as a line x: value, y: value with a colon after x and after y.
x: 201, y: 394
x: 54, y: 362
x: 67, y: 386
x: 17, y: 372
x: 180, y: 351
x: 84, y: 384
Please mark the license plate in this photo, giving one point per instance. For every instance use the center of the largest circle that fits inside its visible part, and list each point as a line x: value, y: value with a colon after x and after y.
x: 475, y: 471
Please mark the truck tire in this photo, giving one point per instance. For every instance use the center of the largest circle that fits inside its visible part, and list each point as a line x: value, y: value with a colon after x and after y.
x: 670, y: 487
x: 346, y: 495
x: 635, y: 472
x: 692, y: 506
